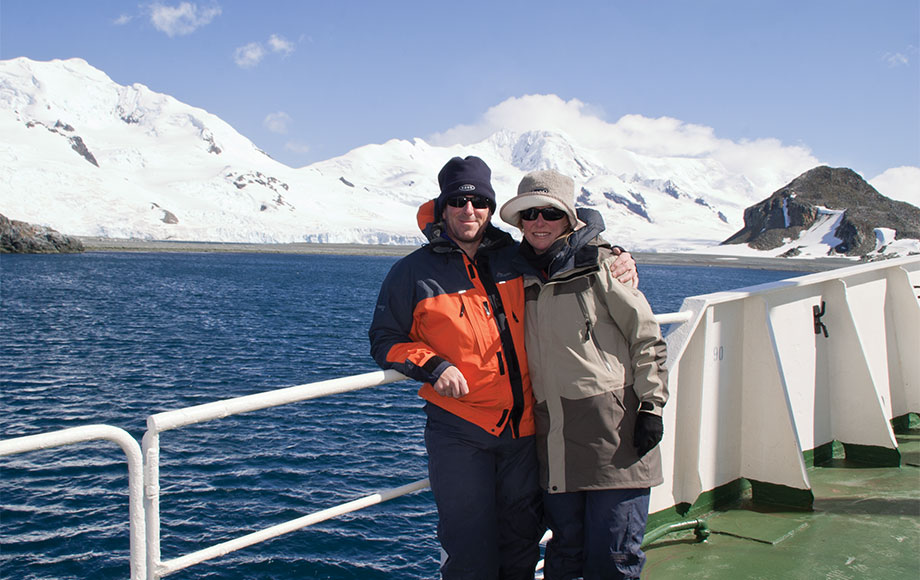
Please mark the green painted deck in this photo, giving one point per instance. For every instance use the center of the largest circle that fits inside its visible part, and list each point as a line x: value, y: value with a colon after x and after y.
x: 865, y: 523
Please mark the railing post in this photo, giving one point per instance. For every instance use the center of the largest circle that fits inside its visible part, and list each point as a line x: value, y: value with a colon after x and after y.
x: 151, y: 451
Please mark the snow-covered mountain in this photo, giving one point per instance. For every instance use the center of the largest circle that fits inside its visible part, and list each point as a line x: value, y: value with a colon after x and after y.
x: 86, y: 156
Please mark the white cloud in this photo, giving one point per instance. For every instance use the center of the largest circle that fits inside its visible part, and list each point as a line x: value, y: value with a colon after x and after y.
x: 252, y: 54
x: 762, y: 161
x: 249, y: 56
x: 122, y: 20
x: 895, y: 59
x: 899, y: 183
x: 901, y: 57
x: 182, y: 19
x: 280, y: 44
x: 526, y: 113
x: 277, y: 122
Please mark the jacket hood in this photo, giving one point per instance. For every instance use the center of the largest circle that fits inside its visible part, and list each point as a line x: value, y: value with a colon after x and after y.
x: 594, y: 226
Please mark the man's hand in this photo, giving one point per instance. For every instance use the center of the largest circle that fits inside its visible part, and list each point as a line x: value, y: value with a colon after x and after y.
x: 451, y: 383
x: 624, y: 268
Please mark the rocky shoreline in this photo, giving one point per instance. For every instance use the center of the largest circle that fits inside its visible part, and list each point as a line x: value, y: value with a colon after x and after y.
x: 17, y: 237
x: 92, y: 244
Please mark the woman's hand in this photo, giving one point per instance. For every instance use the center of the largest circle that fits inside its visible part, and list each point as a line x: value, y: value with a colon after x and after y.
x: 624, y: 268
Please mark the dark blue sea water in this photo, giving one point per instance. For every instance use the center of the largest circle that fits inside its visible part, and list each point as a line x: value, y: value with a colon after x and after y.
x: 114, y: 337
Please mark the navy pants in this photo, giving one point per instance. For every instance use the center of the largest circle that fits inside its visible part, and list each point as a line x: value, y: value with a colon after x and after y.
x: 596, y: 534
x: 489, y: 503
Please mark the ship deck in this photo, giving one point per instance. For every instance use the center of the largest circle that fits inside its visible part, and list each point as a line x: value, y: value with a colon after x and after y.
x: 865, y: 523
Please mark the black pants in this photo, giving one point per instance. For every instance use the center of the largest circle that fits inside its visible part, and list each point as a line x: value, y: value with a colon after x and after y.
x: 489, y: 503
x: 597, y: 535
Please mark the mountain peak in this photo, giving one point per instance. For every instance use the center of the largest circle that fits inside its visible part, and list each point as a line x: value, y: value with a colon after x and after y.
x: 858, y: 208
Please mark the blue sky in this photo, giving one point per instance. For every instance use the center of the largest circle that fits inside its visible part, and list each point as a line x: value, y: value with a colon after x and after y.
x: 309, y: 80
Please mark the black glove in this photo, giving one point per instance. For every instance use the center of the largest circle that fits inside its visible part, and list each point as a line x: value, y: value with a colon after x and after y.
x: 649, y: 429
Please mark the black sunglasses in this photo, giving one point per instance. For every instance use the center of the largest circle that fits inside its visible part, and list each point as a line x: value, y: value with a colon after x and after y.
x: 550, y: 214
x: 478, y: 201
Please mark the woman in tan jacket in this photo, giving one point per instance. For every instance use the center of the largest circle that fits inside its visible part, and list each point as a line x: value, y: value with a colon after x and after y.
x: 596, y: 360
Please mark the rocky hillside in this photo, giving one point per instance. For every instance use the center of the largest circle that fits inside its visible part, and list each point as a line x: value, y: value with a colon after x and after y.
x: 795, y: 208
x: 18, y: 237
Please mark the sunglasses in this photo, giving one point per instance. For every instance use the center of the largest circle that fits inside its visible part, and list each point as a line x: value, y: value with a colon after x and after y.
x: 478, y: 201
x: 550, y: 214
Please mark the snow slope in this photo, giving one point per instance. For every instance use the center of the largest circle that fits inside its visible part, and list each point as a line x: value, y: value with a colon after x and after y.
x: 87, y: 156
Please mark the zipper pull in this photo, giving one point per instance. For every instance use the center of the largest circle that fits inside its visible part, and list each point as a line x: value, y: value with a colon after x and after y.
x: 587, y: 331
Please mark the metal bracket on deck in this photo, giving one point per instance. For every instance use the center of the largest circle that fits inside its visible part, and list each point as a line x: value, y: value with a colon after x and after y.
x: 818, y: 313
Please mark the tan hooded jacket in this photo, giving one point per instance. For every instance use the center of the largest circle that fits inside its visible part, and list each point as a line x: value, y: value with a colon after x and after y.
x: 595, y: 354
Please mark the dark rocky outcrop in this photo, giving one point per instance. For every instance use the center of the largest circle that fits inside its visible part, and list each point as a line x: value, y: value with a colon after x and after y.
x: 795, y: 208
x: 77, y: 144
x: 18, y: 237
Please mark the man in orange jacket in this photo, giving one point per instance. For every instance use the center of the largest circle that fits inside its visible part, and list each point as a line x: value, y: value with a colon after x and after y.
x: 451, y: 315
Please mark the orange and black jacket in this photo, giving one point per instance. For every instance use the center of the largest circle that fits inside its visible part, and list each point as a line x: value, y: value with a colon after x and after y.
x: 438, y: 308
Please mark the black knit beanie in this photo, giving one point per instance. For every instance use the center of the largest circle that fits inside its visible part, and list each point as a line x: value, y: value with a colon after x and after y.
x: 470, y: 176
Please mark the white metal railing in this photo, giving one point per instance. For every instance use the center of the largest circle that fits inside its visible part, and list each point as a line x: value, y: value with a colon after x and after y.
x: 161, y: 422
x: 132, y: 452
x: 143, y: 469
x: 674, y: 317
x: 874, y: 315
x: 224, y: 548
